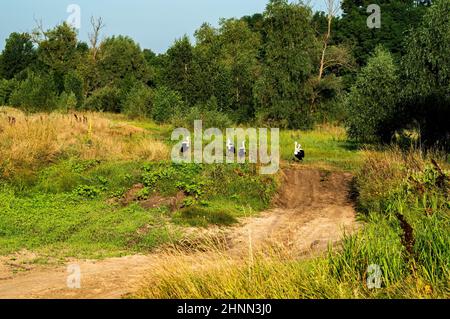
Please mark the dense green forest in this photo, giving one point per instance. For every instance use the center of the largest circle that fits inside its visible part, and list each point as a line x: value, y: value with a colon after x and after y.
x: 289, y: 67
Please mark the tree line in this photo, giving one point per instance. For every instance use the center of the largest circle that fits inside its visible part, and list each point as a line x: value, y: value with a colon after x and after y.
x: 288, y: 67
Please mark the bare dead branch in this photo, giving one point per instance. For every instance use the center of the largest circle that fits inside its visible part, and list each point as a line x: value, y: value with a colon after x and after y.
x: 94, y: 36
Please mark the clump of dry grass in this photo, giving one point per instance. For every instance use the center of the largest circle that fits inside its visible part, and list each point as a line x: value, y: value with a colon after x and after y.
x: 39, y: 139
x: 218, y: 274
x: 269, y: 275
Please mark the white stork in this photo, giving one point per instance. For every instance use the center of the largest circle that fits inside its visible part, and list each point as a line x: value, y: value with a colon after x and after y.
x: 299, y: 153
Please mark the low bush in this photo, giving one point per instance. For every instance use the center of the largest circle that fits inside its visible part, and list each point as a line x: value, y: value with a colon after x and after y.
x: 165, y: 104
x: 105, y: 99
x: 138, y: 102
x: 6, y: 89
x: 36, y: 93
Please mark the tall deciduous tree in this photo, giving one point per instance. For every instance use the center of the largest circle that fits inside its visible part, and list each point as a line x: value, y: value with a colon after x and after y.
x: 121, y: 59
x: 240, y: 50
x: 18, y: 54
x: 373, y: 99
x: 290, y: 58
x: 211, y: 78
x: 179, y: 69
x: 397, y: 17
x: 427, y: 69
x: 59, y: 52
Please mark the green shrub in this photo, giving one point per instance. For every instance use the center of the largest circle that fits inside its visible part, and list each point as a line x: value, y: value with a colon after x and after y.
x: 138, y: 102
x: 36, y: 93
x: 106, y: 99
x: 373, y: 99
x: 67, y: 101
x: 6, y: 88
x: 207, y: 112
x: 87, y: 191
x: 74, y: 83
x: 165, y: 103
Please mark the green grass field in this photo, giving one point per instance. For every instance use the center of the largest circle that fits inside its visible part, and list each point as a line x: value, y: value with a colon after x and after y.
x: 327, y: 146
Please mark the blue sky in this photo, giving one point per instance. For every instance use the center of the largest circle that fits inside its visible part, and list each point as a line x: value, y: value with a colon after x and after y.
x: 154, y: 24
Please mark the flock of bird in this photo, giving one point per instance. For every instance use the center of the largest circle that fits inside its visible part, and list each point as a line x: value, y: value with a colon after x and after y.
x: 299, y: 153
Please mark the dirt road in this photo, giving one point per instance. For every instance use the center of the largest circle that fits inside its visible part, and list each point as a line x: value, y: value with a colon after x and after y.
x: 311, y: 210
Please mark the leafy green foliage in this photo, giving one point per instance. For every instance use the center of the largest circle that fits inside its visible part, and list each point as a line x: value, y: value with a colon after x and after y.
x: 73, y: 84
x: 373, y: 99
x: 290, y: 55
x: 58, y: 51
x: 207, y: 112
x: 67, y: 102
x: 120, y: 58
x: 6, y: 88
x: 426, y: 66
x: 86, y: 191
x: 165, y: 103
x: 35, y: 93
x: 138, y: 102
x: 397, y: 17
x: 107, y: 98
x: 240, y: 52
x: 179, y: 69
x: 18, y: 54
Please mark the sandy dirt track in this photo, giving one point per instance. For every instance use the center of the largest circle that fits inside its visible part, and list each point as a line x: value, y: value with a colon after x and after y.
x: 311, y: 211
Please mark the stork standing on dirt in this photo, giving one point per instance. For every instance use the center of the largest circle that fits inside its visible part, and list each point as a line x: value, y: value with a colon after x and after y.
x: 299, y: 153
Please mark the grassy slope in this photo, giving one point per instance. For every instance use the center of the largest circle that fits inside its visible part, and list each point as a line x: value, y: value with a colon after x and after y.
x: 57, y: 182
x: 58, y: 177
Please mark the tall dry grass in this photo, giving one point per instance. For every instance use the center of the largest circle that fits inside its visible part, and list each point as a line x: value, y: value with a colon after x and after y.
x: 274, y: 274
x: 39, y: 139
x: 384, y: 171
